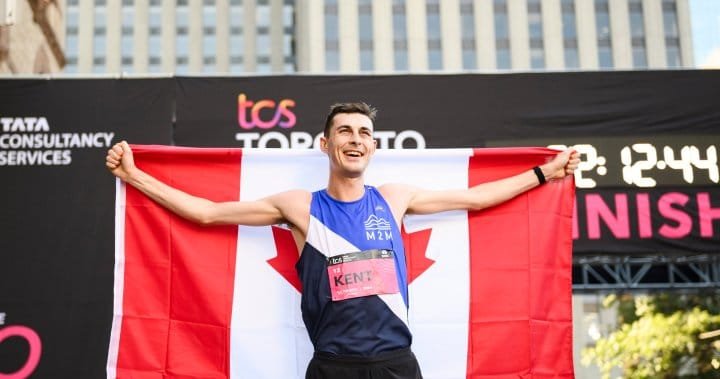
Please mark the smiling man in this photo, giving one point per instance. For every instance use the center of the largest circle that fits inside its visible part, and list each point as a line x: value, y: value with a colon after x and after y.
x: 352, y: 263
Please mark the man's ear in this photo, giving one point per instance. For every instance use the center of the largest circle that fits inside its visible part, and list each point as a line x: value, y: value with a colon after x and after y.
x: 323, y: 144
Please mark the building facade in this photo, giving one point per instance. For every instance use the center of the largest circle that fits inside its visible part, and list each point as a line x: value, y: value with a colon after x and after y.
x: 352, y: 36
x: 31, y: 37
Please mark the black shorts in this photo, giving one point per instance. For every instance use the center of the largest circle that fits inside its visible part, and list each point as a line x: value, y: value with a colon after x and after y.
x: 397, y: 364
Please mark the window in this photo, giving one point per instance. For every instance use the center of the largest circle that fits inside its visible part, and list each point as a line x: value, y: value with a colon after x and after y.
x: 569, y: 23
x: 502, y: 35
x: 602, y: 21
x: 332, y: 54
x: 365, y: 33
x: 434, y: 42
x: 467, y: 31
x: 672, y: 36
x: 535, y: 27
x: 399, y: 35
x: 637, y: 33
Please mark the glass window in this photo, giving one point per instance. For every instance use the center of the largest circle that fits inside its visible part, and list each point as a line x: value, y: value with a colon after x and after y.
x: 637, y: 24
x: 502, y: 35
x: 672, y: 40
x: 262, y: 15
x: 209, y: 45
x: 263, y: 46
x: 72, y: 16
x: 208, y: 16
x: 332, y: 56
x: 639, y: 57
x: 569, y: 20
x: 71, y: 44
x: 236, y: 45
x: 602, y: 20
x: 435, y: 59
x: 399, y: 35
x: 332, y: 60
x: 503, y: 58
x: 537, y: 58
x: 434, y: 35
x: 154, y: 45
x: 469, y: 60
x: 98, y: 46
x: 501, y: 20
x: 236, y: 19
x: 365, y: 33
x: 287, y: 45
x: 236, y: 40
x: 467, y: 30
x: 181, y: 18
x: 535, y: 25
x: 603, y: 25
x: 181, y: 45
x: 673, y: 56
x: 127, y: 64
x: 155, y: 17
x: 572, y: 58
x: 605, y: 57
x: 670, y: 19
x: 569, y: 25
x: 264, y: 68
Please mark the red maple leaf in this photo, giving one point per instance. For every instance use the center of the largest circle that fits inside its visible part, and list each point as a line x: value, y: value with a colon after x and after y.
x: 415, y: 249
x: 287, y: 254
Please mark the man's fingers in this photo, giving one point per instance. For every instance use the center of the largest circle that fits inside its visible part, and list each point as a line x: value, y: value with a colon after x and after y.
x: 125, y: 147
x: 112, y: 154
x: 117, y: 149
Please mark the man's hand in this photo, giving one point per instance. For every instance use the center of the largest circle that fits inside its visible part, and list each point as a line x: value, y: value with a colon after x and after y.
x: 562, y: 165
x: 119, y: 160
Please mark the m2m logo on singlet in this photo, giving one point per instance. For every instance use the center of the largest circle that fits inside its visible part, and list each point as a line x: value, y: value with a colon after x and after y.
x: 377, y: 229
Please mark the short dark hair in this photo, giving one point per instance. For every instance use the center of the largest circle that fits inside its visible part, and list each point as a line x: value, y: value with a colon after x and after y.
x: 336, y: 108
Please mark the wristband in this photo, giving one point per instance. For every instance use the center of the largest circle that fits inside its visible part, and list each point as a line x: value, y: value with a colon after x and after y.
x: 538, y: 172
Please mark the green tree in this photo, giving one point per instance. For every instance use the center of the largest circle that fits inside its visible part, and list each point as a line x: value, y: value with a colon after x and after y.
x: 659, y: 337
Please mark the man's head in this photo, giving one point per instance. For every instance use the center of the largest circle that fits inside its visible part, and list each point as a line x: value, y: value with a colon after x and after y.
x: 348, y: 138
x: 361, y: 108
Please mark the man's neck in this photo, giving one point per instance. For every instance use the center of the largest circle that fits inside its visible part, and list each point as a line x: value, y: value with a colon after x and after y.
x: 346, y: 189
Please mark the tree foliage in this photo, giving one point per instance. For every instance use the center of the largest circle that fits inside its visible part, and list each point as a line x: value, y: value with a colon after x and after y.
x: 659, y: 337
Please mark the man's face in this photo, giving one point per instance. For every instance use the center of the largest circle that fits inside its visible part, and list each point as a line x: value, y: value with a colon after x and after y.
x: 349, y: 143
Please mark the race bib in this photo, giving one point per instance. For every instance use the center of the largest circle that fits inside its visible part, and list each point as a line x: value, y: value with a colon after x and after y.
x: 365, y: 273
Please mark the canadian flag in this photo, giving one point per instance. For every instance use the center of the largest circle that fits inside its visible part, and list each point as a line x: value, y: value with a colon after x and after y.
x: 490, y: 291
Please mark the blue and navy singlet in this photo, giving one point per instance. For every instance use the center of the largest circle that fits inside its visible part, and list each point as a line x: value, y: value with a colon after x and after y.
x: 363, y: 326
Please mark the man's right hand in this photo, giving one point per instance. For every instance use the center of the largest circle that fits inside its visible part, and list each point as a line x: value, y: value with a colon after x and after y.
x: 119, y: 160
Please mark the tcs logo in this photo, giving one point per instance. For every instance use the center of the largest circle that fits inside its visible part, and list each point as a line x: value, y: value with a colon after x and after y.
x: 265, y: 114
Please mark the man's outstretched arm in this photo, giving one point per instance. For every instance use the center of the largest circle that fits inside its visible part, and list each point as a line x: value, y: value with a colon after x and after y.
x: 266, y: 211
x: 419, y: 201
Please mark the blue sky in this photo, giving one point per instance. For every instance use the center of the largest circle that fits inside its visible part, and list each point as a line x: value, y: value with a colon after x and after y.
x: 705, y: 20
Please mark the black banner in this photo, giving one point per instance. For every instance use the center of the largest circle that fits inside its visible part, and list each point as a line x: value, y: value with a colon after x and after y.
x: 648, y: 183
x: 653, y: 134
x: 56, y: 250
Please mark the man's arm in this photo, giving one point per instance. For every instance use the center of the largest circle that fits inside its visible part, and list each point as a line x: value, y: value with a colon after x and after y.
x: 267, y: 211
x: 407, y: 199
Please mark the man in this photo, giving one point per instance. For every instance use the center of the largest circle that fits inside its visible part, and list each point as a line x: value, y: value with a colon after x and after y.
x: 354, y: 299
